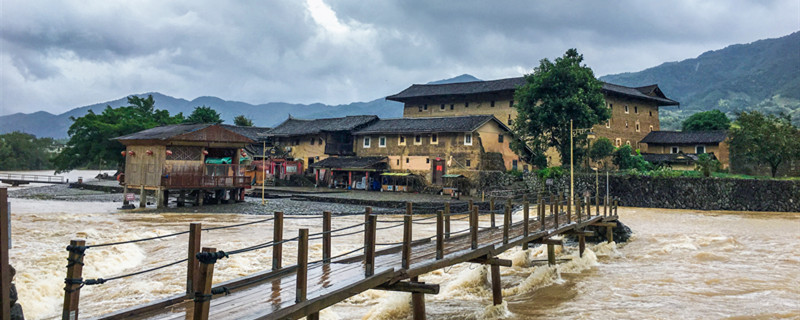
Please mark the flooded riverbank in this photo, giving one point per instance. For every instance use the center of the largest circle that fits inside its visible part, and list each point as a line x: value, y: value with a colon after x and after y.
x: 680, y: 264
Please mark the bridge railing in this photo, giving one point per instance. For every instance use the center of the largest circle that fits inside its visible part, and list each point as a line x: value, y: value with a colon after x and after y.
x: 200, y: 260
x: 32, y: 177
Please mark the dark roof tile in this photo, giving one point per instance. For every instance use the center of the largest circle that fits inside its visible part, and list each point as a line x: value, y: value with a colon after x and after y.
x: 423, y: 125
x: 351, y: 162
x: 688, y: 137
x: 295, y: 127
x: 164, y: 132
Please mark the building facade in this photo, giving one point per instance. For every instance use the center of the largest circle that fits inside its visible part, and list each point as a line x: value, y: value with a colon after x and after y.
x: 690, y: 143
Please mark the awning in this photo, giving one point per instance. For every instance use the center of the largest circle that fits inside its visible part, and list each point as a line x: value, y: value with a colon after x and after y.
x: 452, y: 175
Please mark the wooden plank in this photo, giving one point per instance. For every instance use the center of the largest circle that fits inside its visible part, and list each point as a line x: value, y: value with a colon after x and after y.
x: 497, y: 289
x: 5, y: 269
x: 551, y: 255
x: 506, y: 222
x: 605, y: 224
x: 525, y: 219
x: 326, y: 237
x: 369, y: 246
x: 192, y: 265
x: 411, y: 287
x: 72, y: 290
x: 417, y: 303
x: 493, y: 261
x: 549, y: 241
x: 407, y: 224
x: 491, y: 211
x: 202, y: 305
x: 277, y: 236
x: 473, y: 228
x: 447, y: 220
x: 439, y: 234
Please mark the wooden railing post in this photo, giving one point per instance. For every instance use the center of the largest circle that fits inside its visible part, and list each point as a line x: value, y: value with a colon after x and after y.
x: 447, y: 220
x: 510, y: 217
x: 616, y: 206
x: 473, y: 228
x: 578, y: 209
x: 326, y: 237
x: 202, y: 298
x: 506, y: 223
x: 439, y: 235
x: 497, y: 291
x: 554, y: 210
x: 192, y: 265
x: 302, y: 266
x: 74, y: 280
x: 369, y: 245
x: 471, y: 204
x: 597, y: 203
x: 542, y: 207
x: 605, y: 206
x: 525, y: 218
x: 491, y: 211
x: 569, y: 208
x: 5, y: 269
x: 277, y: 237
x: 407, y: 223
x: 367, y: 214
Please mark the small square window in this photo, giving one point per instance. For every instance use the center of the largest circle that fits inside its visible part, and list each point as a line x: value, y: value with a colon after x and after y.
x: 626, y: 123
x: 608, y: 123
x: 618, y: 142
x: 468, y: 139
x: 510, y: 121
x: 628, y: 142
x: 420, y: 109
x: 651, y: 113
x: 452, y: 106
x: 499, y: 138
x: 626, y: 110
x: 466, y: 104
x: 651, y: 128
x: 313, y: 140
x: 417, y: 139
x: 427, y: 160
x: 425, y: 107
x: 382, y: 142
x: 700, y: 149
x: 321, y: 141
x: 367, y: 142
x: 491, y: 104
x: 636, y: 109
x: 434, y: 138
x: 674, y: 150
x: 401, y: 140
x: 469, y: 162
x: 441, y: 107
x: 637, y: 127
x: 398, y: 162
x: 511, y: 104
x: 406, y: 160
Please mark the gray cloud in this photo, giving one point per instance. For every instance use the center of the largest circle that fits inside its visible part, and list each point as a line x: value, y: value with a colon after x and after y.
x: 58, y: 55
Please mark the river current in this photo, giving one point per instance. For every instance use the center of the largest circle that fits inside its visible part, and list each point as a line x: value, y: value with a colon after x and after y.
x: 679, y: 264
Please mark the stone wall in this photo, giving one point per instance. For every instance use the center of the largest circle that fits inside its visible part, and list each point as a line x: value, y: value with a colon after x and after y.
x: 688, y: 193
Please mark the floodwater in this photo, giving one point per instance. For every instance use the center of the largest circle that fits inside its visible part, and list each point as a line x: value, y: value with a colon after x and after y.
x: 680, y: 264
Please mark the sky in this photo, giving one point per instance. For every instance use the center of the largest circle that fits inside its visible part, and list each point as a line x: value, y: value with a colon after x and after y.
x: 57, y: 55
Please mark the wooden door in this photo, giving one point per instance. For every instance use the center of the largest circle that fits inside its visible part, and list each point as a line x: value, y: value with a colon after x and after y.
x: 439, y: 169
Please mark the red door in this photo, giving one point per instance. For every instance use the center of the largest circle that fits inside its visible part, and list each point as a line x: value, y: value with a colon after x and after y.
x: 438, y: 170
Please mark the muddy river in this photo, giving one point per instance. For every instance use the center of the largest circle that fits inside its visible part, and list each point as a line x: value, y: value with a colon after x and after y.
x: 679, y: 264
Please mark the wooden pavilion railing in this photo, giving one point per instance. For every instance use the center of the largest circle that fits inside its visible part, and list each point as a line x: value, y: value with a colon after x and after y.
x: 205, y: 176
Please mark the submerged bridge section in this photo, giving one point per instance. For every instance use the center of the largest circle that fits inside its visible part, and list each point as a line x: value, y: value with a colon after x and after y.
x: 305, y: 288
x: 16, y: 179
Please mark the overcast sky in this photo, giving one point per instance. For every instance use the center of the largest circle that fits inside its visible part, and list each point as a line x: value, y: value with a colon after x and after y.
x: 57, y: 55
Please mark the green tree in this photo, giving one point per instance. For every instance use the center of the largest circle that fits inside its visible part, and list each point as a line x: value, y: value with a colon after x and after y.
x: 22, y: 151
x: 204, y: 114
x: 555, y: 93
x: 90, y: 136
x: 601, y: 149
x: 243, y: 121
x: 625, y: 159
x: 764, y: 139
x: 706, y: 165
x: 706, y: 121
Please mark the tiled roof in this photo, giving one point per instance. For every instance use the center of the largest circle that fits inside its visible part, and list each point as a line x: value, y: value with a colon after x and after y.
x: 294, y: 127
x: 649, y: 93
x: 688, y: 137
x: 350, y: 162
x: 423, y: 125
x: 164, y: 132
x: 670, y: 157
x: 253, y: 133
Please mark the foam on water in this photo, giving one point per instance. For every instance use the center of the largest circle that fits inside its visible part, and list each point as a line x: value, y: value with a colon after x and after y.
x: 470, y: 283
x: 395, y: 305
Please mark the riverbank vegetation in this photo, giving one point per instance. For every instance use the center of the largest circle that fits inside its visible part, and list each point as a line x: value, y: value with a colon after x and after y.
x: 22, y: 151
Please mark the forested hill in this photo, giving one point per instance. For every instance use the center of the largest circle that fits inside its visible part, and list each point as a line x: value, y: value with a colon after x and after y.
x: 763, y: 75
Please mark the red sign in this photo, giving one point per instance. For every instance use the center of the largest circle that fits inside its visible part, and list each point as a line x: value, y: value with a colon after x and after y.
x: 129, y: 196
x: 439, y: 168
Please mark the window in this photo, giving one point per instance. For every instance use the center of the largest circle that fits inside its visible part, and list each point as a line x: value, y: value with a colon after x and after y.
x: 382, y: 142
x: 425, y: 107
x: 674, y: 150
x: 466, y: 104
x: 434, y: 138
x: 401, y: 141
x: 366, y: 142
x: 469, y: 162
x: 651, y: 128
x: 618, y: 142
x: 636, y: 109
x: 626, y: 109
x: 452, y: 106
x: 511, y: 104
x: 611, y: 106
x: 398, y: 162
x: 700, y: 149
x: 418, y: 140
x: 513, y: 164
x: 313, y: 140
x: 626, y: 123
x: 406, y: 160
x: 628, y: 142
x: 321, y: 141
x: 468, y: 139
x: 500, y: 138
x: 651, y: 113
x: 510, y: 121
x: 427, y: 160
x: 297, y: 142
x: 637, y: 126
x: 608, y: 123
x: 420, y: 109
x: 441, y: 107
x: 491, y: 104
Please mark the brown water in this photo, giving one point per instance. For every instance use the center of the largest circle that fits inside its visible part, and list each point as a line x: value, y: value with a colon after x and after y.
x: 680, y: 264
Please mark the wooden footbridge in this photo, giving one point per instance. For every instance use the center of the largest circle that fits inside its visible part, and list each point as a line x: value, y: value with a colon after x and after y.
x: 16, y: 179
x: 305, y: 288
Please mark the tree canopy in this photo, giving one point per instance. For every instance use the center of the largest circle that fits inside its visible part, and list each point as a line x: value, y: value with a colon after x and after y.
x: 601, y: 149
x: 91, y: 135
x: 707, y: 121
x: 204, y: 114
x: 764, y: 139
x: 22, y: 151
x: 555, y: 93
x: 243, y: 121
x: 625, y: 159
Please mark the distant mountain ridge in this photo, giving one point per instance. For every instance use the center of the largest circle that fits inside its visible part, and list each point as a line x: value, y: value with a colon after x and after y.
x: 763, y: 75
x: 45, y: 124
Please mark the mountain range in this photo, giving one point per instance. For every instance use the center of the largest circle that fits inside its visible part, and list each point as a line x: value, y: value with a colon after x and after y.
x: 762, y: 75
